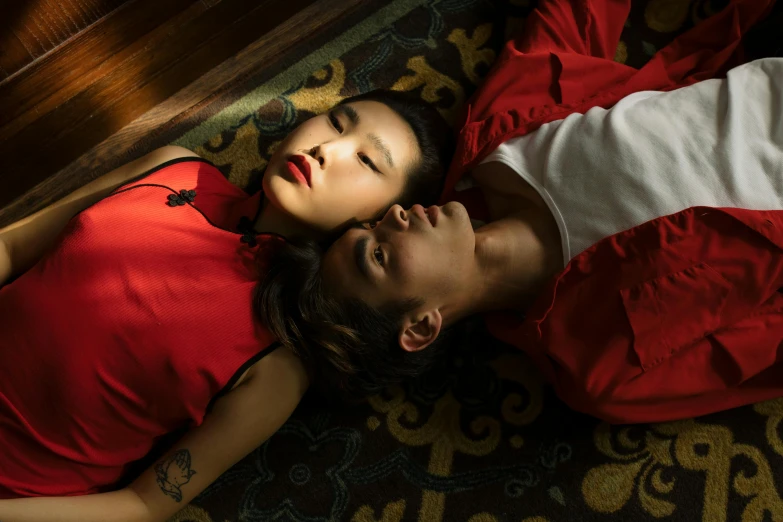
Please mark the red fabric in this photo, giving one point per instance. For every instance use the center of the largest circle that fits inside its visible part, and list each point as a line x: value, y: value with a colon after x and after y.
x: 544, y: 74
x: 125, y: 332
x: 677, y: 317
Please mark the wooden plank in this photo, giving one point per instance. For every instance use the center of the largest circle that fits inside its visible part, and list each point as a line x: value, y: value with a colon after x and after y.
x: 78, y: 63
x: 13, y: 55
x: 42, y: 25
x: 171, y: 57
x: 133, y: 140
x: 155, y: 43
x: 131, y: 69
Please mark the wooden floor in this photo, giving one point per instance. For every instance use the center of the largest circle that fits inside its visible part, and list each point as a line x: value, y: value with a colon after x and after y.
x: 32, y: 28
x: 125, y: 69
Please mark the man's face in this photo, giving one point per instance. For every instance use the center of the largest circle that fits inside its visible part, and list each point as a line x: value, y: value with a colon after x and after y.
x: 420, y: 254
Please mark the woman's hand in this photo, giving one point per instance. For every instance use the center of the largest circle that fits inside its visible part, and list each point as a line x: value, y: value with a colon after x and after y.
x: 5, y: 262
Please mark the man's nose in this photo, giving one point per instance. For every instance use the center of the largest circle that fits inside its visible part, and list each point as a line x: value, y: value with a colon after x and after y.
x: 396, y: 218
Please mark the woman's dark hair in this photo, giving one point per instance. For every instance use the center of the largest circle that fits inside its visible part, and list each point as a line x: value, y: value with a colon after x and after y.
x: 433, y: 135
x: 350, y: 349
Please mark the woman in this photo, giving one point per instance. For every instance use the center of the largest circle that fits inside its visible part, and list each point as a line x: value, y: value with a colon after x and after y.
x: 642, y: 241
x: 132, y: 321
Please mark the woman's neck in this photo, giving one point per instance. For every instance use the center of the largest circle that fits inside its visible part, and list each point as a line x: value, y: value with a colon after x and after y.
x: 516, y: 256
x: 272, y: 220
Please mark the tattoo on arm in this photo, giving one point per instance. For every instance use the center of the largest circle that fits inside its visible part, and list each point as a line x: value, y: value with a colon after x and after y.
x: 174, y: 472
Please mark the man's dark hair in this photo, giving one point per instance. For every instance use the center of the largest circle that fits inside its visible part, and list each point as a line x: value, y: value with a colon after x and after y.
x: 434, y: 137
x: 349, y: 348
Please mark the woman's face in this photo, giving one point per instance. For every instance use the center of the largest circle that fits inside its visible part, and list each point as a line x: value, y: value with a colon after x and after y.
x: 342, y: 167
x: 422, y: 254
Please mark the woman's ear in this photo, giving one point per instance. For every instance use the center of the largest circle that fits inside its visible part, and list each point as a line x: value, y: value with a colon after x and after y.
x: 418, y: 332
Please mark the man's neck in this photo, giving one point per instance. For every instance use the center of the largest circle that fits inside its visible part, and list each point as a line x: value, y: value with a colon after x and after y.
x: 516, y: 256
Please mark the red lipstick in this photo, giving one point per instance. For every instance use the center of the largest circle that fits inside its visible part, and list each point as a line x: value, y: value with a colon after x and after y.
x: 299, y: 169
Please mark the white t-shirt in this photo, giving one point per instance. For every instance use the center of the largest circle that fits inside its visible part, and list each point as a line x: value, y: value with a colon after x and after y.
x: 718, y: 143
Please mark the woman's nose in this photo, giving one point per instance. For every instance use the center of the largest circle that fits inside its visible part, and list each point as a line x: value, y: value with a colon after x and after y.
x: 396, y: 218
x: 335, y: 152
x: 318, y: 153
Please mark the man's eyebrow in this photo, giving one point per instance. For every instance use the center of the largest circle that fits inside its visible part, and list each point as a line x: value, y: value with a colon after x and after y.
x: 378, y: 143
x: 360, y: 256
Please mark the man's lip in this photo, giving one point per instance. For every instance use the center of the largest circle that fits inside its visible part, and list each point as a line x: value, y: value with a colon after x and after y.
x: 420, y: 213
x: 432, y: 213
x: 303, y: 166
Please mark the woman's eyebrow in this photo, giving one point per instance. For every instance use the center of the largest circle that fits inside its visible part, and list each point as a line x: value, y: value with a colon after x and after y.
x: 382, y: 149
x: 377, y: 142
x: 349, y: 112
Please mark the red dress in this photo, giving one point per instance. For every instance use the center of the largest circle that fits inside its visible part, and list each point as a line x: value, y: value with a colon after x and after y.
x: 128, y: 330
x: 678, y: 317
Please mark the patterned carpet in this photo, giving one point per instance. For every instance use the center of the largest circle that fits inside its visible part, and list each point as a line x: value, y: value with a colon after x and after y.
x: 480, y: 439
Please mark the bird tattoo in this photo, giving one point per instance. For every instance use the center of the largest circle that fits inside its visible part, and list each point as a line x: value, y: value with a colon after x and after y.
x: 174, y: 472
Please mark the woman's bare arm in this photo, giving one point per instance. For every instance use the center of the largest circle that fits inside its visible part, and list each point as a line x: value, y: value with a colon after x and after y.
x: 28, y: 239
x: 240, y: 422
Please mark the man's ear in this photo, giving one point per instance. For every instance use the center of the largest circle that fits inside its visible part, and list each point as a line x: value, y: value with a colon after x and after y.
x: 418, y: 332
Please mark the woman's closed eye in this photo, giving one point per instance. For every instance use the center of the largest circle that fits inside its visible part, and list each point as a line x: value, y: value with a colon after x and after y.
x: 363, y: 158
x: 367, y: 161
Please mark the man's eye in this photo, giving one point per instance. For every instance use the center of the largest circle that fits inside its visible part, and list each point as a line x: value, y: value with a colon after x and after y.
x: 369, y: 225
x: 335, y: 122
x: 378, y: 253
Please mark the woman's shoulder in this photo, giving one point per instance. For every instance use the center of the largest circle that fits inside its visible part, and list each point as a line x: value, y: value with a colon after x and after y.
x: 156, y: 161
x: 281, y: 363
x: 170, y: 152
x: 178, y: 167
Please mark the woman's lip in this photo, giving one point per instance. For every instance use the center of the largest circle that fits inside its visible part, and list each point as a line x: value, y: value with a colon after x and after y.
x: 297, y: 174
x: 304, y: 166
x: 299, y: 169
x: 432, y: 213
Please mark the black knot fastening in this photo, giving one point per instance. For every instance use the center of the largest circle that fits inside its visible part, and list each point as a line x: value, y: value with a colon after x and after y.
x: 245, y: 227
x: 184, y: 196
x: 249, y: 239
